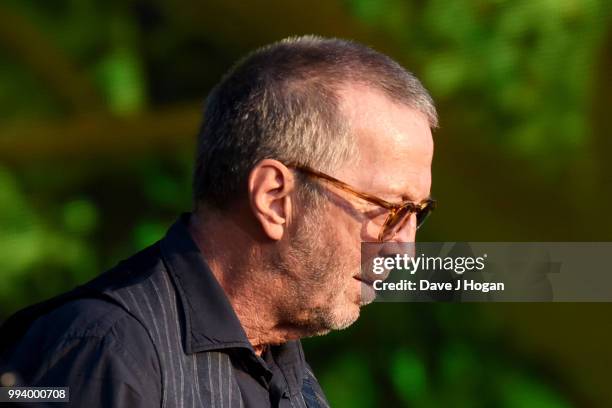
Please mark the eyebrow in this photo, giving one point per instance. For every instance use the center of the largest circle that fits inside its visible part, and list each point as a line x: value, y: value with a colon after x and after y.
x: 403, y: 196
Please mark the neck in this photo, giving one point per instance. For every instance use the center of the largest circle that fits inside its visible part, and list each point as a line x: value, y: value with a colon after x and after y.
x: 236, y: 260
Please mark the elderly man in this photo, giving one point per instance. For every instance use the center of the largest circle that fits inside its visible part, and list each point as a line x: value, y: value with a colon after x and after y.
x: 309, y: 146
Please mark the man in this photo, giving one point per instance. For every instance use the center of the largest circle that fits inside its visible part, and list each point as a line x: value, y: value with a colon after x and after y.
x: 308, y: 147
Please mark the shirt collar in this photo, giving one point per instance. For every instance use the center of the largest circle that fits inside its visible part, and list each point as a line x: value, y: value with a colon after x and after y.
x: 289, y: 358
x: 210, y: 320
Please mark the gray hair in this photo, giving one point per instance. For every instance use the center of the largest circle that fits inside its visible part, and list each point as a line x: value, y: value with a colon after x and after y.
x: 281, y: 102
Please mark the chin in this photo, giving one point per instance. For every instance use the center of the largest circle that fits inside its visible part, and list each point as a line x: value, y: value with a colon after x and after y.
x: 345, y: 317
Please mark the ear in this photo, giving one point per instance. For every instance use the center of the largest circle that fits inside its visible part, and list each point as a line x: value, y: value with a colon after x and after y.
x: 270, y: 185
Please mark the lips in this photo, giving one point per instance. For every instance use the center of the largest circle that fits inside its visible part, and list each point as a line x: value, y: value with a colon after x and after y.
x: 368, y: 293
x: 366, y: 281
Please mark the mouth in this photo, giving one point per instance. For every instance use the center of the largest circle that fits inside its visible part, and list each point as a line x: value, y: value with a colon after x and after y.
x: 366, y: 281
x: 367, y: 293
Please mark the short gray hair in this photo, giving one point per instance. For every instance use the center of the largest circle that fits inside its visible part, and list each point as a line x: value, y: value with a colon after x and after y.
x: 282, y: 102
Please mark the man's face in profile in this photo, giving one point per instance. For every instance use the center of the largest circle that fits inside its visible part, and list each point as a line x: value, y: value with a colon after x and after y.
x: 395, y: 150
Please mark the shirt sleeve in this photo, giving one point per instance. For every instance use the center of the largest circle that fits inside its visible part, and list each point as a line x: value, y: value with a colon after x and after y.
x: 106, y: 359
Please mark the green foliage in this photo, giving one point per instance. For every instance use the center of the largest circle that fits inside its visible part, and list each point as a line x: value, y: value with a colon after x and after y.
x: 148, y: 232
x: 522, y: 67
x: 349, y: 383
x: 409, y: 376
x: 41, y: 255
x: 414, y: 360
x: 79, y: 216
x: 521, y: 392
x: 121, y: 80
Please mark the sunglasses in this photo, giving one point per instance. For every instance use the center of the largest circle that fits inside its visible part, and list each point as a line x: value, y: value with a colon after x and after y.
x: 399, y: 213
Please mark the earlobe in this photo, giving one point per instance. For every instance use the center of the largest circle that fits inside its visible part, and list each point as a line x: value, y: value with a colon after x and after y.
x: 270, y: 184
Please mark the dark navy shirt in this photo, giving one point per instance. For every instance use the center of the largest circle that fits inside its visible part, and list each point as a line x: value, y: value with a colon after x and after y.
x: 92, y: 341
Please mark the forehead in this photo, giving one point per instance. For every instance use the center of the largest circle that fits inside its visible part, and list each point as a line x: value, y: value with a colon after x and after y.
x: 394, y: 143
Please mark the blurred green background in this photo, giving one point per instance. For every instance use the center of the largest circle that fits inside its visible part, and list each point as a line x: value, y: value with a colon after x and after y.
x: 100, y: 103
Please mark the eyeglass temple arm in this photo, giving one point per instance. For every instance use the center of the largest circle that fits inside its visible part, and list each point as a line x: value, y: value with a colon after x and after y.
x: 368, y: 197
x: 342, y: 185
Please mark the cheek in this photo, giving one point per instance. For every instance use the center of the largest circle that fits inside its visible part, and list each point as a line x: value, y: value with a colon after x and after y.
x: 344, y: 234
x: 337, y: 245
x: 347, y: 229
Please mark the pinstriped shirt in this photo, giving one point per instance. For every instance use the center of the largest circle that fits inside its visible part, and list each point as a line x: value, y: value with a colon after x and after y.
x: 155, y: 331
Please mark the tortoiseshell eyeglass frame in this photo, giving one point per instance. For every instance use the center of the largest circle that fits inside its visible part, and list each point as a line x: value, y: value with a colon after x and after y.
x: 399, y: 213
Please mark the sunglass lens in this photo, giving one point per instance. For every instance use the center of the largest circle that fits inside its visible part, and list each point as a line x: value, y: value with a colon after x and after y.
x: 399, y: 219
x: 396, y: 222
x: 424, y: 212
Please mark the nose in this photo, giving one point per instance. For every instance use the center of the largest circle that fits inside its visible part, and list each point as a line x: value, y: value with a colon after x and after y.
x: 407, y: 233
x: 402, y: 243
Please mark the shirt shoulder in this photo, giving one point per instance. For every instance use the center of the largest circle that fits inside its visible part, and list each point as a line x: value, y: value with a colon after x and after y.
x: 93, y: 345
x: 82, y: 318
